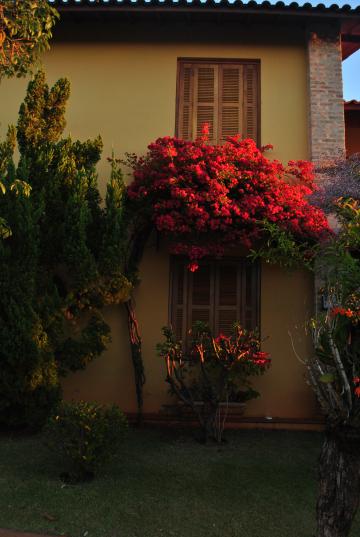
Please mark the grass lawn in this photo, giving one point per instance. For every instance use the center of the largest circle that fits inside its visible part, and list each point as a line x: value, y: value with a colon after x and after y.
x: 164, y: 484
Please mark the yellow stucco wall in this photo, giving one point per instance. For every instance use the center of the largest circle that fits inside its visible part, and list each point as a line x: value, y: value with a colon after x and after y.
x: 123, y: 86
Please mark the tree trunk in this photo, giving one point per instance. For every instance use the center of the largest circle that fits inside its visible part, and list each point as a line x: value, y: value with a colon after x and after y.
x: 339, y: 483
x: 136, y: 355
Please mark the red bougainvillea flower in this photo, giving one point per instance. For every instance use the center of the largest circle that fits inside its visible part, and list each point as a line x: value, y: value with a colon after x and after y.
x: 193, y: 266
x: 206, y: 198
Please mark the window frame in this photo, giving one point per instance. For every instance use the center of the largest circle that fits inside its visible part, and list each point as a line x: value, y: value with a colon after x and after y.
x: 219, y: 61
x: 177, y: 261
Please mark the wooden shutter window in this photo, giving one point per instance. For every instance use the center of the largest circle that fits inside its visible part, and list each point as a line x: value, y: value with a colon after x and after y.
x: 219, y: 293
x: 185, y: 116
x: 201, y: 291
x: 251, y: 102
x: 178, y: 313
x: 206, y: 83
x: 223, y: 95
x: 227, y: 304
x: 231, y: 102
x: 250, y: 292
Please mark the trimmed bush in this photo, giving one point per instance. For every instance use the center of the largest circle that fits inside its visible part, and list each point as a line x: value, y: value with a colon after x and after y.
x: 85, y: 435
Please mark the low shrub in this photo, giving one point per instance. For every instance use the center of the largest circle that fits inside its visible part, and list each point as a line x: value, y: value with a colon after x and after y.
x: 85, y: 435
x: 210, y: 372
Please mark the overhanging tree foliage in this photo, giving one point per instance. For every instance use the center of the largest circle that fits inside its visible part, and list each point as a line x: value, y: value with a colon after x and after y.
x: 25, y: 31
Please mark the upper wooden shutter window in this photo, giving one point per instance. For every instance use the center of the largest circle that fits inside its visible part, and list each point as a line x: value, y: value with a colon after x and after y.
x: 225, y: 95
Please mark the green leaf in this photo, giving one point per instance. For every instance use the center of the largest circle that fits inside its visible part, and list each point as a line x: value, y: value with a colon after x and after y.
x: 327, y: 378
x: 5, y: 231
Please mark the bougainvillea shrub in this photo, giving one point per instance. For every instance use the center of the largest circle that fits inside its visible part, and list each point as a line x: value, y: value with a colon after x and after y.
x: 207, y: 198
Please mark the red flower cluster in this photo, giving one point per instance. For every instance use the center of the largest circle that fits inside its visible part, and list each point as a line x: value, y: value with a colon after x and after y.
x: 352, y: 314
x: 356, y: 381
x: 342, y: 311
x: 207, y: 198
x: 241, y: 347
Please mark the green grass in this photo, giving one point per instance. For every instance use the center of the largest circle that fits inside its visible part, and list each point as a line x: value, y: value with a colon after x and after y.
x: 164, y: 484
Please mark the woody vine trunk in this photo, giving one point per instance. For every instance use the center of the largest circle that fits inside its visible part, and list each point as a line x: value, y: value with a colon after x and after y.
x: 136, y: 355
x: 339, y: 483
x: 136, y: 244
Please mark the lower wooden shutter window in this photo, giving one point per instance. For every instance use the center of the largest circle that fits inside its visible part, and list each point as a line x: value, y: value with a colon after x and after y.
x: 219, y: 293
x: 223, y: 94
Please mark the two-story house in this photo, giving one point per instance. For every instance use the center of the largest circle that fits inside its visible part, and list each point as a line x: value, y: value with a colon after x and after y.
x: 144, y: 69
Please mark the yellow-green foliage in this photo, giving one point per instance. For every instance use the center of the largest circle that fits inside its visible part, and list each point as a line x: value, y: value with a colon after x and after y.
x: 85, y: 435
x: 25, y: 32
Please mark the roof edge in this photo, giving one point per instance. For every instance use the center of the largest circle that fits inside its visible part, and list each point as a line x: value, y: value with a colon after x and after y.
x: 279, y: 8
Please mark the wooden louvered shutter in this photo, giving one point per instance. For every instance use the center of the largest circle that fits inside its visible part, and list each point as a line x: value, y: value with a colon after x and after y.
x: 179, y: 300
x: 206, y: 100
x: 231, y: 101
x: 192, y: 297
x: 186, y: 108
x: 237, y: 295
x: 227, y: 297
x: 251, y: 104
x: 198, y: 100
x: 219, y: 294
x: 201, y: 296
x: 223, y: 94
x: 250, y: 295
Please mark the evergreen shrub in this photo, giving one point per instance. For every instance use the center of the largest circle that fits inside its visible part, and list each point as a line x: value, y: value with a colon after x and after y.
x: 61, y: 256
x: 85, y: 435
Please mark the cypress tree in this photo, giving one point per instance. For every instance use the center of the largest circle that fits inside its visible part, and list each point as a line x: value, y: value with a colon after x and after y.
x: 63, y: 261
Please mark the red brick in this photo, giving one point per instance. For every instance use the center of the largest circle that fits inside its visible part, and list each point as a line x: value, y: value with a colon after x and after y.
x: 326, y: 109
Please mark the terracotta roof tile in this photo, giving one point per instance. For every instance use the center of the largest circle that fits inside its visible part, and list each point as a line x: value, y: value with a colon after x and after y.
x: 353, y: 105
x: 252, y: 5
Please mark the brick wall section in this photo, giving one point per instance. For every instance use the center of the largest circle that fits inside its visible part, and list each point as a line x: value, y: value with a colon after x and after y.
x: 326, y: 122
x: 326, y: 107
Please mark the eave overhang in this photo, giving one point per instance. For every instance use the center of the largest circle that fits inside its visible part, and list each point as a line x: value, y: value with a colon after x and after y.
x: 352, y: 105
x: 346, y: 17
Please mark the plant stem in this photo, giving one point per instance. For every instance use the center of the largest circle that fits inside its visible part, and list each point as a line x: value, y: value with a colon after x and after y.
x: 136, y: 355
x: 339, y: 483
